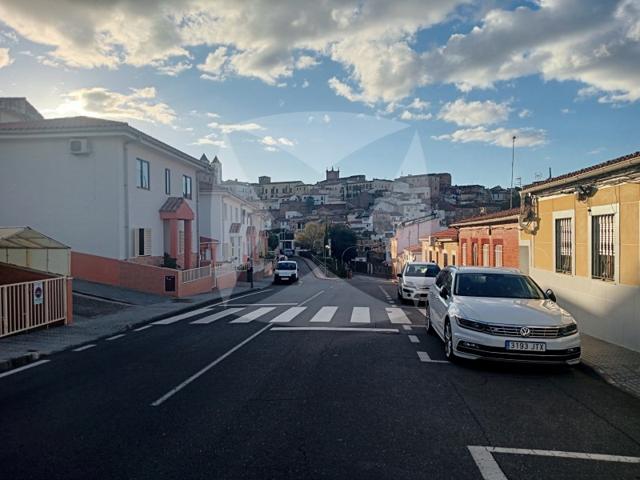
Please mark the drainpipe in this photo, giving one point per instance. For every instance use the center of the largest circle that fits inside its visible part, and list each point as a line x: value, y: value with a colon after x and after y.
x: 125, y: 164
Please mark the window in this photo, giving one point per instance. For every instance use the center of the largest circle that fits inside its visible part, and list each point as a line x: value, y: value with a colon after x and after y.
x: 496, y: 285
x: 445, y: 259
x: 464, y: 254
x: 603, y: 247
x: 141, y: 242
x: 485, y: 255
x: 167, y: 181
x: 453, y: 259
x: 563, y: 245
x: 181, y: 241
x: 186, y: 186
x: 497, y: 256
x: 142, y: 174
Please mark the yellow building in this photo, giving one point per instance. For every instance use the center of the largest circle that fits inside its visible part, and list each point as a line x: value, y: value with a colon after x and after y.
x: 581, y: 237
x: 441, y: 247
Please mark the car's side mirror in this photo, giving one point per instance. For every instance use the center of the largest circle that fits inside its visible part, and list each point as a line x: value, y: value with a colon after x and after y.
x: 550, y: 295
x: 444, y: 293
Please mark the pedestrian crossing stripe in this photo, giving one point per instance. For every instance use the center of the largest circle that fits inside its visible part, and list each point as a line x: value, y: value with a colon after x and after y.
x: 288, y: 315
x: 251, y: 316
x: 397, y: 315
x: 324, y: 315
x: 217, y: 316
x: 360, y: 315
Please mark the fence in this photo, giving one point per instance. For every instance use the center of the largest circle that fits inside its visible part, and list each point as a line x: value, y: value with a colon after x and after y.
x: 194, y: 274
x: 224, y: 268
x: 19, y: 310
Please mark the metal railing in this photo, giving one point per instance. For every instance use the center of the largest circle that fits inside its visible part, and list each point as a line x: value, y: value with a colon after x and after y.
x: 22, y: 307
x: 195, y: 274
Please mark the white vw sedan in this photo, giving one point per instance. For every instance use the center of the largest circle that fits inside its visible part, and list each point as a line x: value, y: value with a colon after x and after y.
x: 500, y: 314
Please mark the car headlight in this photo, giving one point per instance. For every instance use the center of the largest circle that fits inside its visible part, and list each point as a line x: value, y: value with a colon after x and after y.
x: 567, y: 330
x: 472, y: 325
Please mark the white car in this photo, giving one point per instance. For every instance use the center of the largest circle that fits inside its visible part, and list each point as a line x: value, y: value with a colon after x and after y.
x: 500, y: 314
x: 415, y: 280
x: 286, y: 271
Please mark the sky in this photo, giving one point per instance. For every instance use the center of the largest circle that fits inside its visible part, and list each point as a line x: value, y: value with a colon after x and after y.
x: 289, y: 88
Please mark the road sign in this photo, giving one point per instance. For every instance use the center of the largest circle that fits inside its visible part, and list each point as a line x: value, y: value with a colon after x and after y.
x: 38, y: 293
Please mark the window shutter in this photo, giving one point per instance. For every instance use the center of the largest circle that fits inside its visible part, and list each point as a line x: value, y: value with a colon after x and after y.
x: 181, y: 242
x: 147, y: 241
x: 136, y: 242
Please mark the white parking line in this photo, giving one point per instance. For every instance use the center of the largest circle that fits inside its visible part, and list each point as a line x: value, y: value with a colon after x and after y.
x: 193, y: 377
x: 84, y: 347
x: 425, y: 358
x: 217, y: 316
x: 115, y: 337
x: 490, y: 470
x: 20, y: 369
x: 139, y: 329
x: 335, y: 329
x: 413, y: 339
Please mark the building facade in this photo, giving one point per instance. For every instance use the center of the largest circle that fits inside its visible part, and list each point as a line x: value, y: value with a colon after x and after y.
x: 581, y: 238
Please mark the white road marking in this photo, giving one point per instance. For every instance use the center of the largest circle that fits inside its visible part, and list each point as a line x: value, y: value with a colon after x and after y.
x: 397, y: 315
x: 288, y: 315
x: 335, y: 329
x: 177, y: 318
x: 217, y: 316
x: 198, y: 374
x: 413, y: 339
x: 489, y: 468
x: 407, y: 327
x: 311, y: 297
x: 425, y: 358
x: 360, y: 315
x: 251, y: 316
x: 423, y: 311
x: 84, y: 347
x: 142, y: 328
x: 325, y: 314
x: 602, y: 457
x: 115, y: 337
x: 384, y: 292
x: 20, y: 369
x: 263, y: 305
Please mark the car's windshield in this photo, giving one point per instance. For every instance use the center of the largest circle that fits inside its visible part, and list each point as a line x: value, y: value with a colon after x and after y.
x: 422, y: 270
x: 287, y: 265
x: 496, y: 285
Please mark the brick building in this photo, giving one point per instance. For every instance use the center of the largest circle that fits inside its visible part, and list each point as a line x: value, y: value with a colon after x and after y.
x: 490, y: 240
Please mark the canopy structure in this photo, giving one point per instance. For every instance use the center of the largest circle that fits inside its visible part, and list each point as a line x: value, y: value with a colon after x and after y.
x: 25, y: 247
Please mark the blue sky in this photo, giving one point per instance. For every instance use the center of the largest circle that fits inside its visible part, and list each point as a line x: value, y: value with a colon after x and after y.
x: 381, y: 88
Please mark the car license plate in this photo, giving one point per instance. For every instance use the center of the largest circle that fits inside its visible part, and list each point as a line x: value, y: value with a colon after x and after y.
x: 525, y: 346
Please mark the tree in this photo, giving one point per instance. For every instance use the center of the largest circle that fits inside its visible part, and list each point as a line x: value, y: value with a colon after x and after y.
x: 342, y: 237
x: 311, y: 237
x: 274, y: 241
x: 309, y: 203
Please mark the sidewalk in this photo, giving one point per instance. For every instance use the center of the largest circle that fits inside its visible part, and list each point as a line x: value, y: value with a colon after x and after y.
x: 318, y: 271
x: 135, y: 308
x: 616, y: 365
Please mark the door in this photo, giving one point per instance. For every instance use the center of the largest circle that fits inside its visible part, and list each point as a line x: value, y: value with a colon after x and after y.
x: 437, y: 305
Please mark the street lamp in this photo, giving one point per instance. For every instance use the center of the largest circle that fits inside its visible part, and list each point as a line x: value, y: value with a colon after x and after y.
x: 326, y: 249
x: 513, y: 159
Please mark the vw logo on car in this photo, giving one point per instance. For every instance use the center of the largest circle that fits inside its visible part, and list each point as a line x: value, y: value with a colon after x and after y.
x: 525, y: 332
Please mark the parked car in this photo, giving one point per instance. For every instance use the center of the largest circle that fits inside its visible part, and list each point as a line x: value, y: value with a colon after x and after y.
x: 286, y: 271
x: 500, y: 314
x: 415, y: 279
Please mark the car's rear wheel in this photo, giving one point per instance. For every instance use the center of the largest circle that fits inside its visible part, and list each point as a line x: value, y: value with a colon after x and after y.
x: 448, y: 342
x: 427, y: 321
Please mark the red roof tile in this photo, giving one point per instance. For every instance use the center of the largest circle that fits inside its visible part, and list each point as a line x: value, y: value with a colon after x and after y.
x: 448, y: 233
x: 489, y: 216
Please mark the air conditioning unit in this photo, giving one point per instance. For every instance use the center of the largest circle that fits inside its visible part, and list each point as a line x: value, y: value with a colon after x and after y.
x: 79, y: 146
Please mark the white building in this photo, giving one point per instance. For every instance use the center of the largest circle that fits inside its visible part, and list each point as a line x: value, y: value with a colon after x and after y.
x: 101, y: 187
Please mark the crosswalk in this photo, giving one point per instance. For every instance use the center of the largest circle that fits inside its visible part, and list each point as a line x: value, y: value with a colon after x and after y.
x: 281, y: 314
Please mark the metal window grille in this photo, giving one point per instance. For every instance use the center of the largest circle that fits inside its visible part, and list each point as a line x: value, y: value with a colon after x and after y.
x: 474, y: 254
x: 563, y: 245
x: 602, y: 247
x: 485, y: 255
x: 498, y: 255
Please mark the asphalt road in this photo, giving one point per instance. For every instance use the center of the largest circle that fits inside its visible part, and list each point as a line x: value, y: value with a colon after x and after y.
x: 235, y: 396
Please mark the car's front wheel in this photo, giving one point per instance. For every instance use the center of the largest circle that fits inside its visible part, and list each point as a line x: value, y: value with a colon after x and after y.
x: 448, y: 342
x: 427, y: 320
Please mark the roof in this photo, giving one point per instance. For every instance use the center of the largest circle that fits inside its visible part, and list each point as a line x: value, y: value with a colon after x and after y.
x: 172, y: 204
x: 449, y: 233
x: 494, y: 217
x: 89, y: 124
x: 593, y: 169
x: 25, y: 237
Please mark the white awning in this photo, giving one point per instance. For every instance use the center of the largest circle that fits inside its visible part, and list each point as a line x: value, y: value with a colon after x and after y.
x: 25, y: 247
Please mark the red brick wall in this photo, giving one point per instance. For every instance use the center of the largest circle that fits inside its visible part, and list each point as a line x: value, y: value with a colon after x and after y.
x: 506, y: 235
x: 11, y: 274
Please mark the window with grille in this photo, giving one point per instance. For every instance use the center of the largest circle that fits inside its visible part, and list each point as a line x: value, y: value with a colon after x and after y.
x: 485, y: 255
x: 464, y: 254
x: 474, y: 254
x: 497, y: 255
x: 563, y: 245
x: 602, y: 247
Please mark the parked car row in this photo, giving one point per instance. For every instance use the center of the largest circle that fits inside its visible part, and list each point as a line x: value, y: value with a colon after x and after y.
x: 491, y: 313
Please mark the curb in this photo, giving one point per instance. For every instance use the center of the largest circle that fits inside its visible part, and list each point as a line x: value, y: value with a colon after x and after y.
x: 32, y: 356
x: 593, y: 370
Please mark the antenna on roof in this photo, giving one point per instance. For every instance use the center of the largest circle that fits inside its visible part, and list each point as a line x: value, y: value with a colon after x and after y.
x: 550, y: 172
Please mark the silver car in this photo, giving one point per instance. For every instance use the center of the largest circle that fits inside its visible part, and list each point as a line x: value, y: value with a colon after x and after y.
x: 415, y: 280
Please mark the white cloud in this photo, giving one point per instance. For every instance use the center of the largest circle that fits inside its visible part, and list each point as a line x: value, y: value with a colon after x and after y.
x: 273, y: 142
x: 566, y: 111
x: 5, y: 58
x: 306, y: 61
x: 326, y: 118
x: 596, y: 151
x: 407, y: 115
x: 471, y: 114
x: 212, y: 115
x: 173, y: 69
x: 269, y: 148
x: 501, y: 137
x: 418, y: 104
x: 208, y: 141
x: 305, y: 84
x: 235, y: 127
x: 524, y: 113
x: 215, y: 65
x: 140, y: 104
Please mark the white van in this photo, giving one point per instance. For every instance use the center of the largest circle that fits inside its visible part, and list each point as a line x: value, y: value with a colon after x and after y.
x: 286, y: 271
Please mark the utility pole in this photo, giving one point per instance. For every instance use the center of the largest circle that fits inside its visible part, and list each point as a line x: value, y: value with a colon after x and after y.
x: 513, y: 159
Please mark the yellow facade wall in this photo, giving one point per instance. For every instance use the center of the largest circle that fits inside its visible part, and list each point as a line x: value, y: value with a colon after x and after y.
x: 626, y: 196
